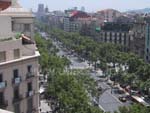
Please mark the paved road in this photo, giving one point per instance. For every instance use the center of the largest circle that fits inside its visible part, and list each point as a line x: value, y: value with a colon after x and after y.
x: 107, y: 101
x: 75, y: 63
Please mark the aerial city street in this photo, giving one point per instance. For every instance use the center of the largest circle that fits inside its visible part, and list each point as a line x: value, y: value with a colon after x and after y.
x: 74, y: 56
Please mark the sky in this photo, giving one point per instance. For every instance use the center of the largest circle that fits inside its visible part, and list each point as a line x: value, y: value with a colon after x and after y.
x: 90, y: 5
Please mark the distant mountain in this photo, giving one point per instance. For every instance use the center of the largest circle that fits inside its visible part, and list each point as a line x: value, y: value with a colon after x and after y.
x: 145, y: 10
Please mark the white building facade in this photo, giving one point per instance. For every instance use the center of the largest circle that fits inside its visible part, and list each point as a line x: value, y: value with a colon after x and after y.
x: 19, y: 89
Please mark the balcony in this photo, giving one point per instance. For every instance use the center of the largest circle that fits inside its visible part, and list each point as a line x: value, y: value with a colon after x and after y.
x: 16, y: 80
x: 3, y: 85
x: 30, y: 93
x: 29, y: 75
x: 3, y: 104
x: 17, y: 99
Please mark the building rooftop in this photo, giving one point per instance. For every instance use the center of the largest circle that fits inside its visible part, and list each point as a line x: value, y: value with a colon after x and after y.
x: 117, y: 27
x: 79, y: 14
x: 16, y: 10
x: 107, y: 10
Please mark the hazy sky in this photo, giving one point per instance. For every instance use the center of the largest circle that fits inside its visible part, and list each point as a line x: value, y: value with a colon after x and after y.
x: 90, y: 5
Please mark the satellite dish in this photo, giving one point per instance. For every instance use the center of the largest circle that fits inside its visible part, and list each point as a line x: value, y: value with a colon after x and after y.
x: 4, y: 4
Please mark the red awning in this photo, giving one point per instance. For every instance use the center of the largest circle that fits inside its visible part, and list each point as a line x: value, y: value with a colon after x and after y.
x: 26, y: 40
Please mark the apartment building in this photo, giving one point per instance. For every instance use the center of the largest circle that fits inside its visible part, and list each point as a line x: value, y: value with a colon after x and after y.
x: 135, y: 37
x: 108, y: 15
x: 19, y: 89
x: 138, y: 32
x: 117, y: 33
x: 21, y: 19
x: 147, y: 43
x: 74, y: 21
x: 122, y: 38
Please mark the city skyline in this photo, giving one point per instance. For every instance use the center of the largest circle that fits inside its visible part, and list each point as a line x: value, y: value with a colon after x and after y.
x: 91, y: 5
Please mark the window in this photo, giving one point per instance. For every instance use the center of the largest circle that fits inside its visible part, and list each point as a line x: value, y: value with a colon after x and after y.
x: 17, y: 108
x: 29, y: 68
x: 1, y: 98
x: 15, y: 73
x: 27, y: 27
x: 110, y: 37
x: 2, y: 56
x: 12, y: 25
x: 147, y: 50
x: 1, y: 77
x: 30, y: 86
x: 16, y: 53
x: 16, y: 92
x: 30, y: 105
x: 147, y: 58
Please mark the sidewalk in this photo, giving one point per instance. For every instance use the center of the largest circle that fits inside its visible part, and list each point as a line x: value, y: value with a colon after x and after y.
x: 44, y: 107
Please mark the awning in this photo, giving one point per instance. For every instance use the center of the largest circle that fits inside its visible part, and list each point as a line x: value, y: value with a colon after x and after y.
x: 42, y: 90
x: 26, y: 40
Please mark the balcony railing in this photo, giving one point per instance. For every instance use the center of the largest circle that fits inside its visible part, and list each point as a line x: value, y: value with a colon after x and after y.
x: 3, y: 84
x: 17, y: 99
x: 30, y: 93
x: 30, y: 75
x: 16, y: 80
x: 3, y: 104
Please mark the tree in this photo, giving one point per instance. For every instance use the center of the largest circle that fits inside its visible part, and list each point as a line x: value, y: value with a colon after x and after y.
x: 136, y: 108
x: 70, y: 94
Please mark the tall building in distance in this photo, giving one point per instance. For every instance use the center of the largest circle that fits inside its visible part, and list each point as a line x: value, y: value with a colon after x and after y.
x: 40, y: 12
x: 41, y: 8
x: 83, y: 8
x: 19, y: 89
x: 74, y: 21
x: 46, y: 9
x: 108, y: 15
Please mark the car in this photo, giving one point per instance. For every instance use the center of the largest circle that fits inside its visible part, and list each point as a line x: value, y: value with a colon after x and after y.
x: 95, y: 103
x: 120, y: 91
x: 108, y: 83
x: 122, y: 98
x: 99, y: 89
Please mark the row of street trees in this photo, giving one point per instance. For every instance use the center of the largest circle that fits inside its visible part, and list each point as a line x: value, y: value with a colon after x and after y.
x: 133, y: 71
x: 67, y: 91
x: 135, y: 74
x: 136, y: 71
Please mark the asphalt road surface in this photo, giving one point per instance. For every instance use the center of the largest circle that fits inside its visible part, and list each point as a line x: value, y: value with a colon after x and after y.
x: 108, y: 101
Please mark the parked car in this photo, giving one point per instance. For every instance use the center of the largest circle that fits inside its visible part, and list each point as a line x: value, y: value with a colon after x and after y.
x: 95, y: 103
x: 121, y: 92
x: 122, y: 98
